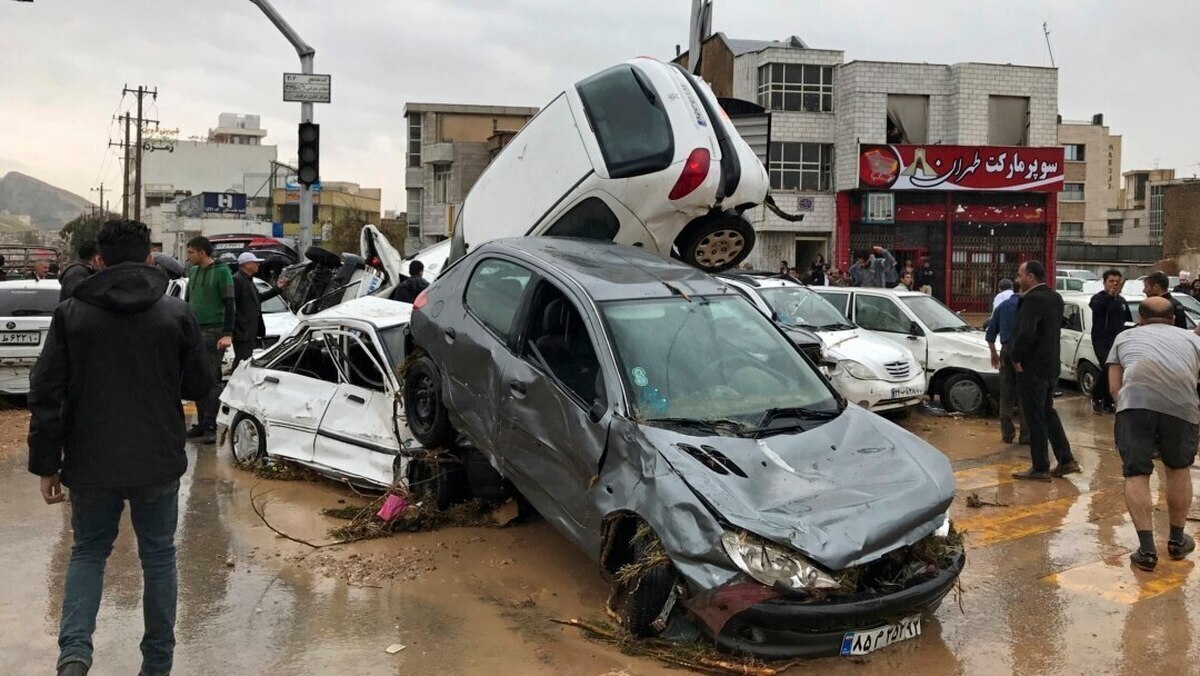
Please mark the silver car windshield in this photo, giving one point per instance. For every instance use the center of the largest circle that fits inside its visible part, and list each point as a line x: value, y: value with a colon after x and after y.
x: 710, y: 359
x: 934, y: 315
x: 798, y: 306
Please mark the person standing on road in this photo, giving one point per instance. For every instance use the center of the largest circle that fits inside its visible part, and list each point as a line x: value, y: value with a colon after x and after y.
x: 106, y: 422
x: 1152, y: 375
x: 1006, y: 292
x: 408, y: 290
x: 1110, y: 313
x: 78, y: 270
x: 876, y: 268
x: 1155, y: 285
x: 1004, y: 318
x: 1185, y: 283
x: 905, y: 283
x: 248, y: 324
x: 926, y: 277
x: 1035, y: 355
x: 210, y: 293
x: 817, y: 273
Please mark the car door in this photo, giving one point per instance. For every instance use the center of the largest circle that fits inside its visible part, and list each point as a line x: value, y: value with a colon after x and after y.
x: 839, y: 300
x: 1070, y: 339
x: 357, y: 436
x: 888, y: 318
x: 598, y: 215
x: 293, y: 393
x: 554, y: 424
x: 479, y: 341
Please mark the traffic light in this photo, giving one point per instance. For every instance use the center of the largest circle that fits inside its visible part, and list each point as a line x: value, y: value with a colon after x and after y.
x: 308, y: 153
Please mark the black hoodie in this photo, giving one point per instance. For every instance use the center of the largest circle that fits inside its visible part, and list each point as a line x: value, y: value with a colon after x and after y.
x: 106, y: 392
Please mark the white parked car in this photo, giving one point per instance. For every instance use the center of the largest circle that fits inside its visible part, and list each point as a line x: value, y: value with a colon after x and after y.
x: 1078, y: 273
x: 641, y: 154
x: 1079, y: 362
x: 953, y: 353
x: 1135, y: 287
x: 26, y: 308
x: 870, y: 371
x: 1068, y: 284
x: 326, y: 396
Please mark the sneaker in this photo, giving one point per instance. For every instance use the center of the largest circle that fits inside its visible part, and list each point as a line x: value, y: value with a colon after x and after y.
x: 1180, y: 550
x: 1110, y: 408
x: 210, y: 437
x: 1098, y: 407
x: 195, y: 432
x: 1031, y: 475
x: 73, y: 668
x: 1146, y: 561
x: 1064, y: 468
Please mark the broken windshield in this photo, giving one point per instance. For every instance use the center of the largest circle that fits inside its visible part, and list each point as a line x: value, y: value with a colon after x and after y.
x: 712, y: 359
x: 934, y: 315
x: 797, y: 306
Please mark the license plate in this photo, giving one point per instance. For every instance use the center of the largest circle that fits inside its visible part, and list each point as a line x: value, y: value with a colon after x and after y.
x: 902, y: 392
x: 870, y: 640
x: 20, y: 337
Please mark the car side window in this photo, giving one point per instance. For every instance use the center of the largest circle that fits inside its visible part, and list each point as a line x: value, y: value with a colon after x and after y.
x: 590, y: 219
x: 877, y: 313
x: 360, y: 362
x: 494, y: 293
x: 1072, y: 319
x: 311, y: 357
x: 841, y: 301
x: 558, y: 341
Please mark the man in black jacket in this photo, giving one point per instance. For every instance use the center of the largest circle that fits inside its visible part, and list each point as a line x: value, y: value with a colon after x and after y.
x: 79, y: 269
x: 1110, y: 312
x: 1035, y: 356
x: 107, y: 422
x: 1157, y: 284
x: 248, y: 324
x: 408, y: 290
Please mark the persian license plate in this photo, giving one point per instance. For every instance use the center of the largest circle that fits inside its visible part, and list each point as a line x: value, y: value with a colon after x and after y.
x: 870, y: 640
x: 20, y: 337
x: 903, y: 392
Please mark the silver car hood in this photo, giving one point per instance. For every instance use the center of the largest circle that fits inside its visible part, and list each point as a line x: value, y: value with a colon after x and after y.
x: 844, y: 493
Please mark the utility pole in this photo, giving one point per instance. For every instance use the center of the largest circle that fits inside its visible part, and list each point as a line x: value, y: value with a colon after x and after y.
x: 141, y: 92
x: 103, y: 211
x: 306, y: 54
x: 125, y: 162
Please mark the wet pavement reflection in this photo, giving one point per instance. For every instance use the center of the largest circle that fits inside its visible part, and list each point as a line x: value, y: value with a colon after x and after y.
x: 1047, y: 590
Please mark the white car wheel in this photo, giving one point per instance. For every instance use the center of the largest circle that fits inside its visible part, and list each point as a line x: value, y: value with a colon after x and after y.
x: 720, y: 249
x: 247, y: 440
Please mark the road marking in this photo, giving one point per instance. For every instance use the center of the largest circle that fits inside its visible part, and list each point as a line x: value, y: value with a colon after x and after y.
x: 1114, y: 579
x: 990, y: 527
x: 986, y: 476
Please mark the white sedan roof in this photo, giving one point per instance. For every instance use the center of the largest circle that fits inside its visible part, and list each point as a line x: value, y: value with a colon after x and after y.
x: 381, y: 312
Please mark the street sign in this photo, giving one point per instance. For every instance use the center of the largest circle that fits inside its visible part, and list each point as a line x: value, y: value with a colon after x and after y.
x: 301, y: 88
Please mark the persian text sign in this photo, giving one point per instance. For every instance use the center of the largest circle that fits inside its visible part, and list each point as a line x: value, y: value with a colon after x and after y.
x: 307, y: 88
x: 909, y: 167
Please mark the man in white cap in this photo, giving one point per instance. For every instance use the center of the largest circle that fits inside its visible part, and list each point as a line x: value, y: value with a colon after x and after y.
x: 248, y: 324
x: 1185, y: 283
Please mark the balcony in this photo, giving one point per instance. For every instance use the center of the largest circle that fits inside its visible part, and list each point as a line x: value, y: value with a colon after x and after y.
x: 438, y: 153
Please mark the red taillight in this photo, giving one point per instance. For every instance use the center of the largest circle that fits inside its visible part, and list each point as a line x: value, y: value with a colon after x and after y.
x: 375, y: 261
x: 421, y: 301
x: 695, y: 170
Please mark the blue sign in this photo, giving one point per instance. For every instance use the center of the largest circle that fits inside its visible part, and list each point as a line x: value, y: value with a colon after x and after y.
x: 277, y: 229
x: 224, y: 203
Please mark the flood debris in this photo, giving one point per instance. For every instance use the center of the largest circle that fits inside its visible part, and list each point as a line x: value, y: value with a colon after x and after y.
x: 394, y: 648
x: 652, y: 555
x: 976, y: 502
x: 277, y: 469
x: 366, y: 522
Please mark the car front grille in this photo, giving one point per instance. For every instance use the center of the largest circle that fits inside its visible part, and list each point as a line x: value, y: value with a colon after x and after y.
x: 897, y: 370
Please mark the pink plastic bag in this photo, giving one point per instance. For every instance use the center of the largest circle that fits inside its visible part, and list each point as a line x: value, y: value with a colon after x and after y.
x: 393, y: 507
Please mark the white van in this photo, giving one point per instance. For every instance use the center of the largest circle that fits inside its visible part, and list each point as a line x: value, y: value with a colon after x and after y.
x: 641, y: 154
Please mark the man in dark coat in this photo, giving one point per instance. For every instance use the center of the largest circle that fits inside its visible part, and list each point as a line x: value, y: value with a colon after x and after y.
x: 80, y: 269
x: 1110, y: 313
x: 107, y: 422
x: 248, y: 324
x: 1158, y: 284
x: 1036, y: 359
x: 408, y: 290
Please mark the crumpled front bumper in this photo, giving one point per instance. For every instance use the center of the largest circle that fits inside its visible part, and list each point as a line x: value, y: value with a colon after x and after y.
x: 14, y: 377
x: 786, y: 629
x: 881, y: 395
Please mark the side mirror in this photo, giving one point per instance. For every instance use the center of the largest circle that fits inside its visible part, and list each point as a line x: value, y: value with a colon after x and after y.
x: 596, y: 412
x: 914, y: 329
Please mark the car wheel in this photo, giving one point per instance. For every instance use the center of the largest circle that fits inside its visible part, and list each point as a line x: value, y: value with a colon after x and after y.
x: 964, y: 393
x: 1088, y: 375
x: 647, y: 600
x: 716, y: 244
x: 427, y: 415
x: 437, y: 479
x: 247, y: 440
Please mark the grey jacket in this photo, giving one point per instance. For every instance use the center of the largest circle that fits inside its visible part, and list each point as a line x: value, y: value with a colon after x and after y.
x: 880, y: 272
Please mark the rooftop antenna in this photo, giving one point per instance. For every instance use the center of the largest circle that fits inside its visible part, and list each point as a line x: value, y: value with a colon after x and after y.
x: 1046, y: 30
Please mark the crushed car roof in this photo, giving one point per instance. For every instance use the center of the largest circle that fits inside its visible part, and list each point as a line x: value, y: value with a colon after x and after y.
x: 610, y: 271
x: 381, y: 312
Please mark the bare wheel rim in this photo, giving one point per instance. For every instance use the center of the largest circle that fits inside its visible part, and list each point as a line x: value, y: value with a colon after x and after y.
x: 966, y: 396
x: 720, y: 247
x: 426, y: 399
x: 1087, y: 381
x: 246, y: 441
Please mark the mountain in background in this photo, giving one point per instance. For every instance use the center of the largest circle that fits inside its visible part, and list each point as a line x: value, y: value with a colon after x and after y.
x: 48, y: 207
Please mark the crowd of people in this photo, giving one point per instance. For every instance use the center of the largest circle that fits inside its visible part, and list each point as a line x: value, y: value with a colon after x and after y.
x: 874, y: 268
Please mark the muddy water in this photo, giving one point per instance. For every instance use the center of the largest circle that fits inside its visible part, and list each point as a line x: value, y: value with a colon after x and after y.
x: 1047, y: 589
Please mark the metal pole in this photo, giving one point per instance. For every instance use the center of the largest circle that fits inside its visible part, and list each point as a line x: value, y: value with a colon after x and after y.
x: 137, y: 182
x: 306, y: 54
x: 125, y: 177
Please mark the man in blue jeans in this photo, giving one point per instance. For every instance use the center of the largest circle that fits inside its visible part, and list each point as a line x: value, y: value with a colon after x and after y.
x: 108, y: 424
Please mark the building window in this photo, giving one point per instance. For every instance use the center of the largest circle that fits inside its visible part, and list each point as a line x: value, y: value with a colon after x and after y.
x: 414, y: 140
x: 1072, y: 192
x: 907, y: 118
x: 414, y: 231
x: 1070, y: 230
x: 1073, y: 152
x: 794, y: 86
x: 879, y: 207
x: 1156, y: 213
x: 801, y: 166
x: 415, y: 205
x: 1116, y: 226
x: 1008, y: 120
x: 441, y: 184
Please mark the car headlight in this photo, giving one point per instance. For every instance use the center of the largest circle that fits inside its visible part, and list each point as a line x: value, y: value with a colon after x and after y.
x: 856, y: 369
x: 772, y: 565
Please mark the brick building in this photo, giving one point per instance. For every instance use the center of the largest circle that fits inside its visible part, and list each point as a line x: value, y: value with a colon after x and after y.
x: 829, y: 120
x: 1180, y: 216
x: 449, y: 145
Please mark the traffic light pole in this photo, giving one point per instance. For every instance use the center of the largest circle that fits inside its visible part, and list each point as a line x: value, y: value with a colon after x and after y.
x: 306, y: 54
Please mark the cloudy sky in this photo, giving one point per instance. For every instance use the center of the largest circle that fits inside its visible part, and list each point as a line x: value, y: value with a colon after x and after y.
x: 63, y: 64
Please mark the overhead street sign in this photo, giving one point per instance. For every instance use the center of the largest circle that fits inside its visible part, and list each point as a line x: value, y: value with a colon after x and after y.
x: 301, y: 88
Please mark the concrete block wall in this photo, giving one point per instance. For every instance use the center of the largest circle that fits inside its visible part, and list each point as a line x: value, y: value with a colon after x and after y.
x: 973, y: 83
x: 817, y: 223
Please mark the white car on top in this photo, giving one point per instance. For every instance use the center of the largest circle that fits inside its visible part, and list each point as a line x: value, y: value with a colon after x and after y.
x: 954, y: 354
x: 26, y: 308
x: 870, y: 371
x: 327, y: 396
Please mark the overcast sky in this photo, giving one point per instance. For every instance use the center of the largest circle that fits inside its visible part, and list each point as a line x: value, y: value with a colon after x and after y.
x: 63, y: 64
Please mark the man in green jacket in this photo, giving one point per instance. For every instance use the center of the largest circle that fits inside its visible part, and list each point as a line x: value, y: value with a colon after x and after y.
x: 210, y: 293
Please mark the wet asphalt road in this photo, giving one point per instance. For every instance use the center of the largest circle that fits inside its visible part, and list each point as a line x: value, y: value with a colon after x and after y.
x: 1047, y: 589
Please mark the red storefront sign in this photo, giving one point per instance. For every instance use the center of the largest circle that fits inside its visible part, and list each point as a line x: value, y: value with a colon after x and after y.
x: 909, y: 167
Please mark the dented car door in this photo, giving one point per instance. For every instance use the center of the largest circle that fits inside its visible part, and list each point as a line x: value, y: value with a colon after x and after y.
x: 296, y: 388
